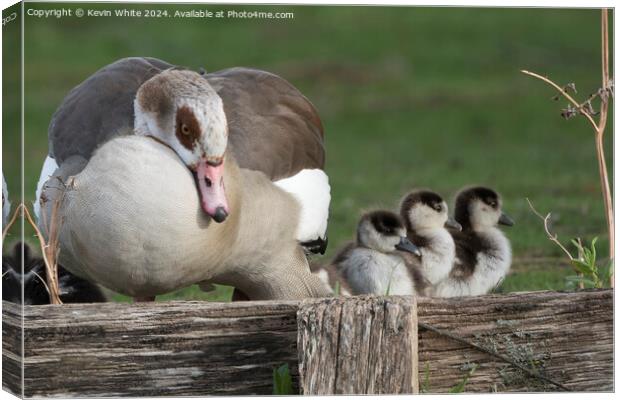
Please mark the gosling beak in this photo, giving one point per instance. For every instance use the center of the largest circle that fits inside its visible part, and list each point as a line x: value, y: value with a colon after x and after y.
x: 505, y: 220
x: 210, y: 177
x: 451, y: 223
x: 406, y: 245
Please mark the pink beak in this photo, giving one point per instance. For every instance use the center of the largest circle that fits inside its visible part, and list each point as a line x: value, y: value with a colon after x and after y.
x: 212, y: 191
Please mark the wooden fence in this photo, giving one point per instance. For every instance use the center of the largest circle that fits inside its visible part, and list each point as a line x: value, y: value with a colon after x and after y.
x: 535, y: 341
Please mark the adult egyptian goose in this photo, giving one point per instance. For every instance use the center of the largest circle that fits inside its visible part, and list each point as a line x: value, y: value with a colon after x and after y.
x: 426, y: 217
x: 483, y: 253
x: 169, y: 178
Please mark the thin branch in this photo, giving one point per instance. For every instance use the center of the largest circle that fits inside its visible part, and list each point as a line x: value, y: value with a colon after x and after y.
x: 493, y: 353
x: 551, y: 236
x: 566, y: 95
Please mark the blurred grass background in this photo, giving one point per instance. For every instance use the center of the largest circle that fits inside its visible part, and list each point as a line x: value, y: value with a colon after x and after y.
x: 409, y: 97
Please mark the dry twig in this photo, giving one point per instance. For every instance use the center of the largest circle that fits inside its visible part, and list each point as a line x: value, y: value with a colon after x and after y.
x: 552, y: 236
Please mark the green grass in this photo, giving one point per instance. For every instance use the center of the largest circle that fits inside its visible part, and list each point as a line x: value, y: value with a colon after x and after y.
x: 409, y: 97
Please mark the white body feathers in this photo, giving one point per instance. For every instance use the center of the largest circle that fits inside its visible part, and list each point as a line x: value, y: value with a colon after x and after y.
x: 6, y: 205
x: 370, y: 271
x: 49, y: 166
x: 310, y: 187
x: 491, y: 268
x: 437, y: 256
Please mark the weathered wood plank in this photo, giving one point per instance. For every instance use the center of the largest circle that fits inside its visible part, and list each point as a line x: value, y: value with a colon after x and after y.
x: 566, y: 336
x: 176, y: 348
x: 12, y: 350
x: 359, y: 345
x: 198, y: 348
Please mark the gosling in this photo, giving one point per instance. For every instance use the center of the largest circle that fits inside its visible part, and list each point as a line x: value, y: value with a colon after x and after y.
x: 72, y: 289
x: 425, y: 214
x: 483, y: 253
x: 374, y: 264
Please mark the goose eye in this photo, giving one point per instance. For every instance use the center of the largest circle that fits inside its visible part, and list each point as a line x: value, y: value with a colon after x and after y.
x: 185, y: 129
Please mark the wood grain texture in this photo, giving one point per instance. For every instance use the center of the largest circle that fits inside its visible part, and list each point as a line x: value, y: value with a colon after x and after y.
x: 566, y: 336
x: 358, y: 345
x: 198, y: 348
x: 157, y: 349
x: 12, y: 348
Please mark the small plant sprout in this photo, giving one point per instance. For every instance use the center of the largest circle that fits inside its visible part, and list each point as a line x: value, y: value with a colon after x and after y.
x: 585, y: 263
x: 460, y: 387
x: 282, y: 381
x: 587, y: 110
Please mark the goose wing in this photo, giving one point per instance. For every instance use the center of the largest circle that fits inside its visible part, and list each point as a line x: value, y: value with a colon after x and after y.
x: 273, y: 128
x: 99, y: 108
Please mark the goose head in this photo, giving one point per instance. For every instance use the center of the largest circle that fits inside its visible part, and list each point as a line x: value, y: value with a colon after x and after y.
x: 181, y: 110
x: 385, y: 232
x: 425, y: 209
x: 479, y: 208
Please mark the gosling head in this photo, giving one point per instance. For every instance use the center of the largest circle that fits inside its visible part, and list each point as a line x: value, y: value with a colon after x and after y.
x: 385, y: 232
x: 425, y: 209
x: 479, y: 208
x: 180, y: 109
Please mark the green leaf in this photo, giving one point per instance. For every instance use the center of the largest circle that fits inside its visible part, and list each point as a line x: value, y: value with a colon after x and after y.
x: 582, y: 267
x: 425, y: 385
x: 460, y: 387
x: 282, y: 381
x: 593, y: 247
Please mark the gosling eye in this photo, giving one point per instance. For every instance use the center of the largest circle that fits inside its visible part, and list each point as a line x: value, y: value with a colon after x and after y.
x: 184, y: 129
x: 437, y: 207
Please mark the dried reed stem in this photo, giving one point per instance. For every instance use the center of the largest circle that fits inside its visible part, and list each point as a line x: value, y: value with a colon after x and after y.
x: 49, y: 253
x: 8, y: 226
x: 602, y: 123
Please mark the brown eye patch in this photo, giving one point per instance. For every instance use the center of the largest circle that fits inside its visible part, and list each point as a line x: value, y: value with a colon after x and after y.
x: 187, y: 127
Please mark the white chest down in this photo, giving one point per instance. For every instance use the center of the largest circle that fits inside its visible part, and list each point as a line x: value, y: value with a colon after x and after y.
x: 370, y: 272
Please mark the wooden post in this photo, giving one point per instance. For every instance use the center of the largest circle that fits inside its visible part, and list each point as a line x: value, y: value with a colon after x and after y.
x: 359, y: 345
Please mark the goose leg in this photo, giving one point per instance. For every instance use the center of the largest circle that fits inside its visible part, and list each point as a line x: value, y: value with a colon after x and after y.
x: 143, y: 299
x: 238, y: 295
